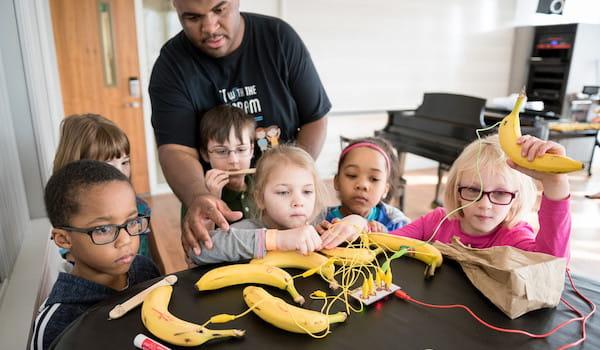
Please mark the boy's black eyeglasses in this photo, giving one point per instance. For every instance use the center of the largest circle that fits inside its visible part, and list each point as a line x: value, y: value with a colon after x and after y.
x: 496, y: 197
x: 108, y: 233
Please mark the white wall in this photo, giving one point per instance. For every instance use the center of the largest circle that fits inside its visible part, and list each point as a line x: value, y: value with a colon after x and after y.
x: 14, y: 216
x: 20, y: 112
x: 585, y: 62
x: 30, y: 108
x: 22, y: 246
x: 379, y: 54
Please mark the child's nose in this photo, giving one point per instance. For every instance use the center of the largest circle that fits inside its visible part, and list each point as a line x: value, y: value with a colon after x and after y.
x: 123, y: 238
x: 296, y: 201
x: 233, y: 156
x: 361, y: 184
x: 485, y: 201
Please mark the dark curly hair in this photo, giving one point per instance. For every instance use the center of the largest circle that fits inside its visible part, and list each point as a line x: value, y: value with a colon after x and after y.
x: 62, y: 195
x: 394, y: 171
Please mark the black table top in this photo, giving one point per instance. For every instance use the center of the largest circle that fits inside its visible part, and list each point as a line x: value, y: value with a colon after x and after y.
x: 389, y: 323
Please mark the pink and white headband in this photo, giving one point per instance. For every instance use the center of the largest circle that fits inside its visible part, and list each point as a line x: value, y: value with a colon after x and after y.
x: 371, y: 145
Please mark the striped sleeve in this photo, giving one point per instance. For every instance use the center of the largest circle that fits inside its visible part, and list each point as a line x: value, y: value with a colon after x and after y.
x: 40, y: 339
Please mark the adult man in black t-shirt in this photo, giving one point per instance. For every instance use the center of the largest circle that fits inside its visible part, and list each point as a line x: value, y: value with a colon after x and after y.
x: 255, y: 62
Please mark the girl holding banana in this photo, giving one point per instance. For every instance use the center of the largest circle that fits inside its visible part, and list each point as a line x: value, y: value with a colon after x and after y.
x: 488, y: 196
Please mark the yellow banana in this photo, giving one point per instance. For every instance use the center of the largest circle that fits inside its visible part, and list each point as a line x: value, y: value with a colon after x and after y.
x: 312, y: 262
x: 508, y: 133
x: 160, y: 322
x: 417, y: 249
x: 351, y: 256
x: 230, y: 275
x: 288, y: 317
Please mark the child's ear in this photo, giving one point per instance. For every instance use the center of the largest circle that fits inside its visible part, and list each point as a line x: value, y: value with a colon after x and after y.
x: 258, y: 201
x: 385, y: 192
x: 61, y: 238
x: 204, y: 155
x: 336, y: 183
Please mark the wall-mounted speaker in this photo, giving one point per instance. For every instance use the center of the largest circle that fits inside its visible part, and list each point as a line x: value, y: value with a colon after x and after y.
x: 552, y: 7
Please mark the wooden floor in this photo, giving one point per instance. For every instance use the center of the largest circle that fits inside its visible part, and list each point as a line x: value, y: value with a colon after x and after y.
x: 585, y: 241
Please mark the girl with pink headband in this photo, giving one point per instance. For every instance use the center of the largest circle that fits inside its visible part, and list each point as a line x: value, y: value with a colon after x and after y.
x: 366, y: 173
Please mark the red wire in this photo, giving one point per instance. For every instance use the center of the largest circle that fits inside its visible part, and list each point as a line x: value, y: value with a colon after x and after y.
x: 583, y: 335
x: 403, y: 295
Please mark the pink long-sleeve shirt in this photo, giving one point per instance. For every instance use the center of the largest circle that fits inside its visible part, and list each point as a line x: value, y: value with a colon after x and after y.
x: 552, y: 238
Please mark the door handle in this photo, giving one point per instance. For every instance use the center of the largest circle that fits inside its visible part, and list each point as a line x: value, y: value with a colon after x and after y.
x: 134, y: 87
x: 132, y: 105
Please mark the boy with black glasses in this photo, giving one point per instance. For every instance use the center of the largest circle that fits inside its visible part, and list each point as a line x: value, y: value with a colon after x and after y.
x: 92, y: 208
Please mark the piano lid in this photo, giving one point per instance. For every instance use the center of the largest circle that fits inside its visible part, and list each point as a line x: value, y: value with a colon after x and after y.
x: 453, y: 108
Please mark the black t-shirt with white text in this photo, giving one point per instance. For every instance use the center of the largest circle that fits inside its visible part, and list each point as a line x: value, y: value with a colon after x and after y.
x: 271, y: 76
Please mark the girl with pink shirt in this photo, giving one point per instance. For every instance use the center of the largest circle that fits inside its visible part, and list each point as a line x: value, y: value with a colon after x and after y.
x: 487, y: 197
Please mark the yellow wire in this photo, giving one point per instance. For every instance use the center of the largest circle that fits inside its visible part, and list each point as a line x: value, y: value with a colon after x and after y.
x: 231, y: 317
x: 351, y: 270
x: 477, y: 131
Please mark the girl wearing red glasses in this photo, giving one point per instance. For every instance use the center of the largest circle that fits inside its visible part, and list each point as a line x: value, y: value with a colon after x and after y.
x: 491, y: 210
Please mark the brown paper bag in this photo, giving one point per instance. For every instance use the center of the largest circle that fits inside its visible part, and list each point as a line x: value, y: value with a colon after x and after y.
x: 516, y: 281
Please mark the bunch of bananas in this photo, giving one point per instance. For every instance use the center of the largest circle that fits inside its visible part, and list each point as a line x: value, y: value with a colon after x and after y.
x: 508, y: 133
x: 160, y: 322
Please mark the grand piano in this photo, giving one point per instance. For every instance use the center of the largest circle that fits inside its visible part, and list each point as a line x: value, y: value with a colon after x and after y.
x: 441, y: 127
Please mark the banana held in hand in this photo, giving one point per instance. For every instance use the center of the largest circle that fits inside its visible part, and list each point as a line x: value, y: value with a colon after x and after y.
x: 160, y: 322
x: 416, y: 248
x: 288, y: 317
x: 230, y: 275
x: 312, y: 262
x: 508, y: 133
x: 351, y: 256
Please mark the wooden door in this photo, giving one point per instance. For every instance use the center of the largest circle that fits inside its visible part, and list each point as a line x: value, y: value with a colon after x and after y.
x: 95, y: 74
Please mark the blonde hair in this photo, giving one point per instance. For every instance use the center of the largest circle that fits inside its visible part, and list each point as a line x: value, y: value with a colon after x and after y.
x: 89, y: 136
x: 282, y: 156
x: 492, y: 160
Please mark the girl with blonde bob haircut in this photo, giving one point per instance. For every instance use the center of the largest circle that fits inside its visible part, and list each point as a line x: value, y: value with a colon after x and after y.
x: 90, y: 136
x: 289, y: 198
x: 488, y: 196
x: 492, y: 160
